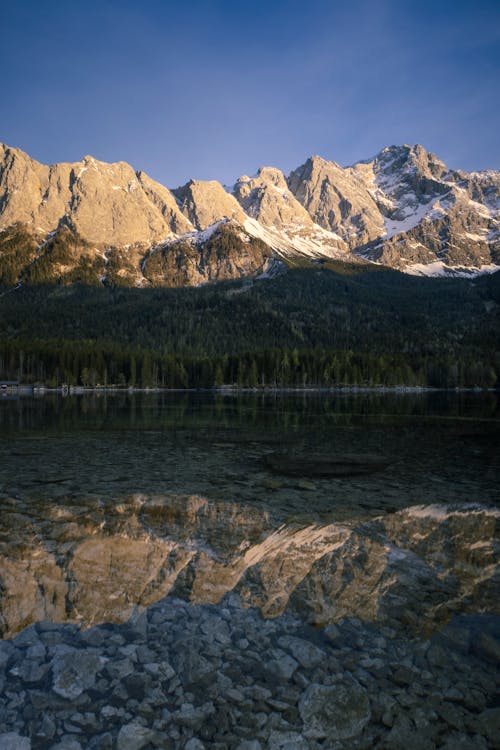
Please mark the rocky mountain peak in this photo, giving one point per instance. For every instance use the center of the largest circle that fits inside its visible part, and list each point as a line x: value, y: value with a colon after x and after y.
x: 106, y: 204
x: 409, y: 160
x: 403, y: 208
x: 273, y: 176
x: 267, y: 198
x: 337, y: 199
x: 204, y: 202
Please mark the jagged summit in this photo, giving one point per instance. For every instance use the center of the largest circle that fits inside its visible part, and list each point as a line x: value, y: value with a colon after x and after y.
x: 403, y: 208
x: 205, y: 202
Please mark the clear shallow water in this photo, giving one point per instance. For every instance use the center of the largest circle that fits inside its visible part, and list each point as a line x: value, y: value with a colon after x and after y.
x: 440, y: 448
x: 105, y: 499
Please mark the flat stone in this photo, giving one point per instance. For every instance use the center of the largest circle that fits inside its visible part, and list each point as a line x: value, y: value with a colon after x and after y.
x: 332, y: 632
x: 191, y: 716
x: 30, y: 671
x: 405, y: 735
x: 101, y: 742
x: 462, y: 742
x: 325, y: 464
x: 337, y: 712
x: 134, y: 736
x: 403, y: 676
x: 304, y: 484
x: 283, y: 667
x: 14, y: 741
x: 194, y: 744
x: 74, y: 672
x: 489, y: 725
x: 287, y: 741
x: 67, y: 743
x: 307, y: 654
x: 119, y: 668
x: 488, y: 648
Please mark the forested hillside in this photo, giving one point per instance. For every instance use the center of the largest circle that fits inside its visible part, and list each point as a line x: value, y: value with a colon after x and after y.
x: 326, y: 325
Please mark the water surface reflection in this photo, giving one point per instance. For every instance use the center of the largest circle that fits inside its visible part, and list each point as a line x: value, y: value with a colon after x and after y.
x: 112, y: 502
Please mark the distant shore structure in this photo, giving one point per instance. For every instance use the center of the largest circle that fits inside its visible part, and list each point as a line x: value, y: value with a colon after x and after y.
x: 8, y: 385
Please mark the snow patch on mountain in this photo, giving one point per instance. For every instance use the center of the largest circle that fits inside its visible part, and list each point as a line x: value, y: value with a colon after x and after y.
x: 294, y: 240
x: 440, y: 269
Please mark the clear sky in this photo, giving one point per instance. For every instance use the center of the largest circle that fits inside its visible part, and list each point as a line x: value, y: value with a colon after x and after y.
x: 215, y: 88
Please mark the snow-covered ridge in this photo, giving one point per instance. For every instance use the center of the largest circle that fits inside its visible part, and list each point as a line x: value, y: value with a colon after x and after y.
x: 403, y: 208
x: 438, y: 268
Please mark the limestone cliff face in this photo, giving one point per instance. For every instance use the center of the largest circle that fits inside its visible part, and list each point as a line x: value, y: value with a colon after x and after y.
x: 95, y: 222
x: 337, y: 199
x: 205, y: 202
x: 267, y: 198
x: 412, y: 569
x: 105, y: 204
x: 405, y: 207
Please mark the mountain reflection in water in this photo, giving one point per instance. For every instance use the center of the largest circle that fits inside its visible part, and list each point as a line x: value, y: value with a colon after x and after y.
x: 112, y: 503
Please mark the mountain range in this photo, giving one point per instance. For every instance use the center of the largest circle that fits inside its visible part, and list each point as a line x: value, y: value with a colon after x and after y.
x: 95, y: 222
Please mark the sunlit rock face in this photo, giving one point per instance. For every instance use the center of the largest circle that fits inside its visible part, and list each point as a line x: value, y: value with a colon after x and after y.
x: 204, y: 202
x: 404, y: 208
x: 338, y: 199
x: 91, y: 221
x: 97, y: 563
x: 105, y: 204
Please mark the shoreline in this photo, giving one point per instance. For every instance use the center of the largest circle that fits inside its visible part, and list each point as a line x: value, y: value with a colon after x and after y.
x: 40, y: 390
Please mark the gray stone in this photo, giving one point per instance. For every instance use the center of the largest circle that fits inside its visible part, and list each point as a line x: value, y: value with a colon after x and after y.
x: 67, y: 743
x: 307, y: 654
x: 235, y: 695
x: 249, y: 745
x: 74, y: 672
x: 37, y: 651
x: 283, y: 666
x: 191, y: 716
x: 338, y: 712
x: 403, y: 676
x: 194, y: 744
x: 462, y: 742
x: 47, y: 728
x: 451, y: 715
x: 30, y: 671
x: 28, y: 637
x: 287, y: 741
x: 101, y: 742
x: 333, y: 633
x: 405, y: 735
x: 489, y: 725
x: 14, y: 741
x: 119, y: 668
x: 488, y: 648
x: 134, y: 736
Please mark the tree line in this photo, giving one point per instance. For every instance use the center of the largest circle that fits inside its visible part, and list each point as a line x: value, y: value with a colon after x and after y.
x: 92, y: 364
x: 321, y: 326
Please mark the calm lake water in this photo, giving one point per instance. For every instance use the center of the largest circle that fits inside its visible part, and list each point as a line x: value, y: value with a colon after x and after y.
x: 196, y: 470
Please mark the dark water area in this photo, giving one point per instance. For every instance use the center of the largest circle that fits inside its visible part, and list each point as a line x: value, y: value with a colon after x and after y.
x: 439, y: 447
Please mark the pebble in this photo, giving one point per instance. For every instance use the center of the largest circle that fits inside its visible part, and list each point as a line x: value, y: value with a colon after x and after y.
x: 202, y: 677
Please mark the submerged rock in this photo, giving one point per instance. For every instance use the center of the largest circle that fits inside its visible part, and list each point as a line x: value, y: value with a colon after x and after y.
x: 73, y: 672
x: 336, y: 712
x: 325, y: 465
x: 133, y: 736
x: 14, y: 741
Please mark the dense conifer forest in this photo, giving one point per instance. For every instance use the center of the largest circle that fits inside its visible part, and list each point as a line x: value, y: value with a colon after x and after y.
x: 327, y: 325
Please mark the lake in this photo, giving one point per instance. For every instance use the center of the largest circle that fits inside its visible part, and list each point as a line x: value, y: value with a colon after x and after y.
x: 283, y: 525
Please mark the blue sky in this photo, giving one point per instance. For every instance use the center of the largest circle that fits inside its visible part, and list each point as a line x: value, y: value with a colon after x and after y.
x: 215, y: 88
